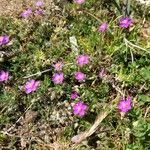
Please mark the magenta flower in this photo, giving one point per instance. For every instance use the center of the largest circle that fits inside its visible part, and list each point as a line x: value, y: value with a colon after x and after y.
x: 125, y: 22
x: 39, y: 3
x: 80, y: 109
x: 58, y: 66
x: 74, y: 95
x: 39, y: 12
x: 82, y: 60
x: 4, y: 76
x: 125, y: 105
x: 103, y: 27
x: 58, y: 78
x: 31, y: 86
x: 79, y: 1
x: 27, y: 13
x: 4, y: 40
x: 79, y: 76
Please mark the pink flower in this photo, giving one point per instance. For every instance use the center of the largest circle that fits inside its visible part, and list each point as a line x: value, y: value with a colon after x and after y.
x: 58, y: 66
x: 80, y: 109
x: 79, y: 76
x: 27, y: 13
x: 79, y: 1
x: 125, y: 22
x: 58, y: 78
x: 39, y: 12
x: 4, y: 40
x: 74, y: 95
x: 4, y: 76
x: 39, y: 3
x: 31, y: 86
x: 82, y: 60
x: 103, y: 27
x: 125, y: 105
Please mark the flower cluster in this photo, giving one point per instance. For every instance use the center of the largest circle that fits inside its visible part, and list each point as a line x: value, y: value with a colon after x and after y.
x: 81, y: 61
x: 124, y: 23
x: 58, y: 78
x: 79, y: 108
x: 27, y: 13
x: 39, y: 11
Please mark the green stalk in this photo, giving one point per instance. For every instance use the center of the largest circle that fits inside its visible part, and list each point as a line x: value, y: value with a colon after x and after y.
x: 117, y: 6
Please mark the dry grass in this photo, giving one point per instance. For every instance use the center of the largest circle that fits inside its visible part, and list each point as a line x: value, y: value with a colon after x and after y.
x: 10, y: 7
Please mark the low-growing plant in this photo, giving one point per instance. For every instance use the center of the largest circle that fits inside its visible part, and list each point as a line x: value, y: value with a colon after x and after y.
x: 76, y: 77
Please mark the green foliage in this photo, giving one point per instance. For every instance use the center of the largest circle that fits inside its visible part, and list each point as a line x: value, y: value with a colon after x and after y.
x: 38, y: 43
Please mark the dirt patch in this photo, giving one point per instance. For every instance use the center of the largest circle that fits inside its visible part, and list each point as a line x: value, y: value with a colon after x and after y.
x: 15, y: 7
x: 10, y: 7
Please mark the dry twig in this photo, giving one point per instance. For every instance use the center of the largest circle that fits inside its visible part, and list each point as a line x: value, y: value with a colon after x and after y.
x: 82, y: 136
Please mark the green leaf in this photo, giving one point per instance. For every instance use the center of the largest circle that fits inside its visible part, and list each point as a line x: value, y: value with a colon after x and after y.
x: 143, y: 99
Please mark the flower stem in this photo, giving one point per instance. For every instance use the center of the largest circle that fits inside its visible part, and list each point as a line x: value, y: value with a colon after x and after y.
x: 136, y: 46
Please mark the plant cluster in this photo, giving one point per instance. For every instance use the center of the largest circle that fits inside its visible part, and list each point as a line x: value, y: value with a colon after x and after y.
x: 102, y: 68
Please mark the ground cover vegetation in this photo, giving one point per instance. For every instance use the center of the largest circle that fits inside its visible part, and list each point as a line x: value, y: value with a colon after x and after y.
x: 75, y: 75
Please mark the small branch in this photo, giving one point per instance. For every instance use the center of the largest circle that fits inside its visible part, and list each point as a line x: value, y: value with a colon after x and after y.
x: 82, y: 136
x: 68, y: 64
x: 8, y: 134
x: 118, y: 90
x: 147, y: 112
x: 136, y: 46
x: 41, y: 72
x: 92, y: 16
x: 132, y: 58
x: 38, y: 73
